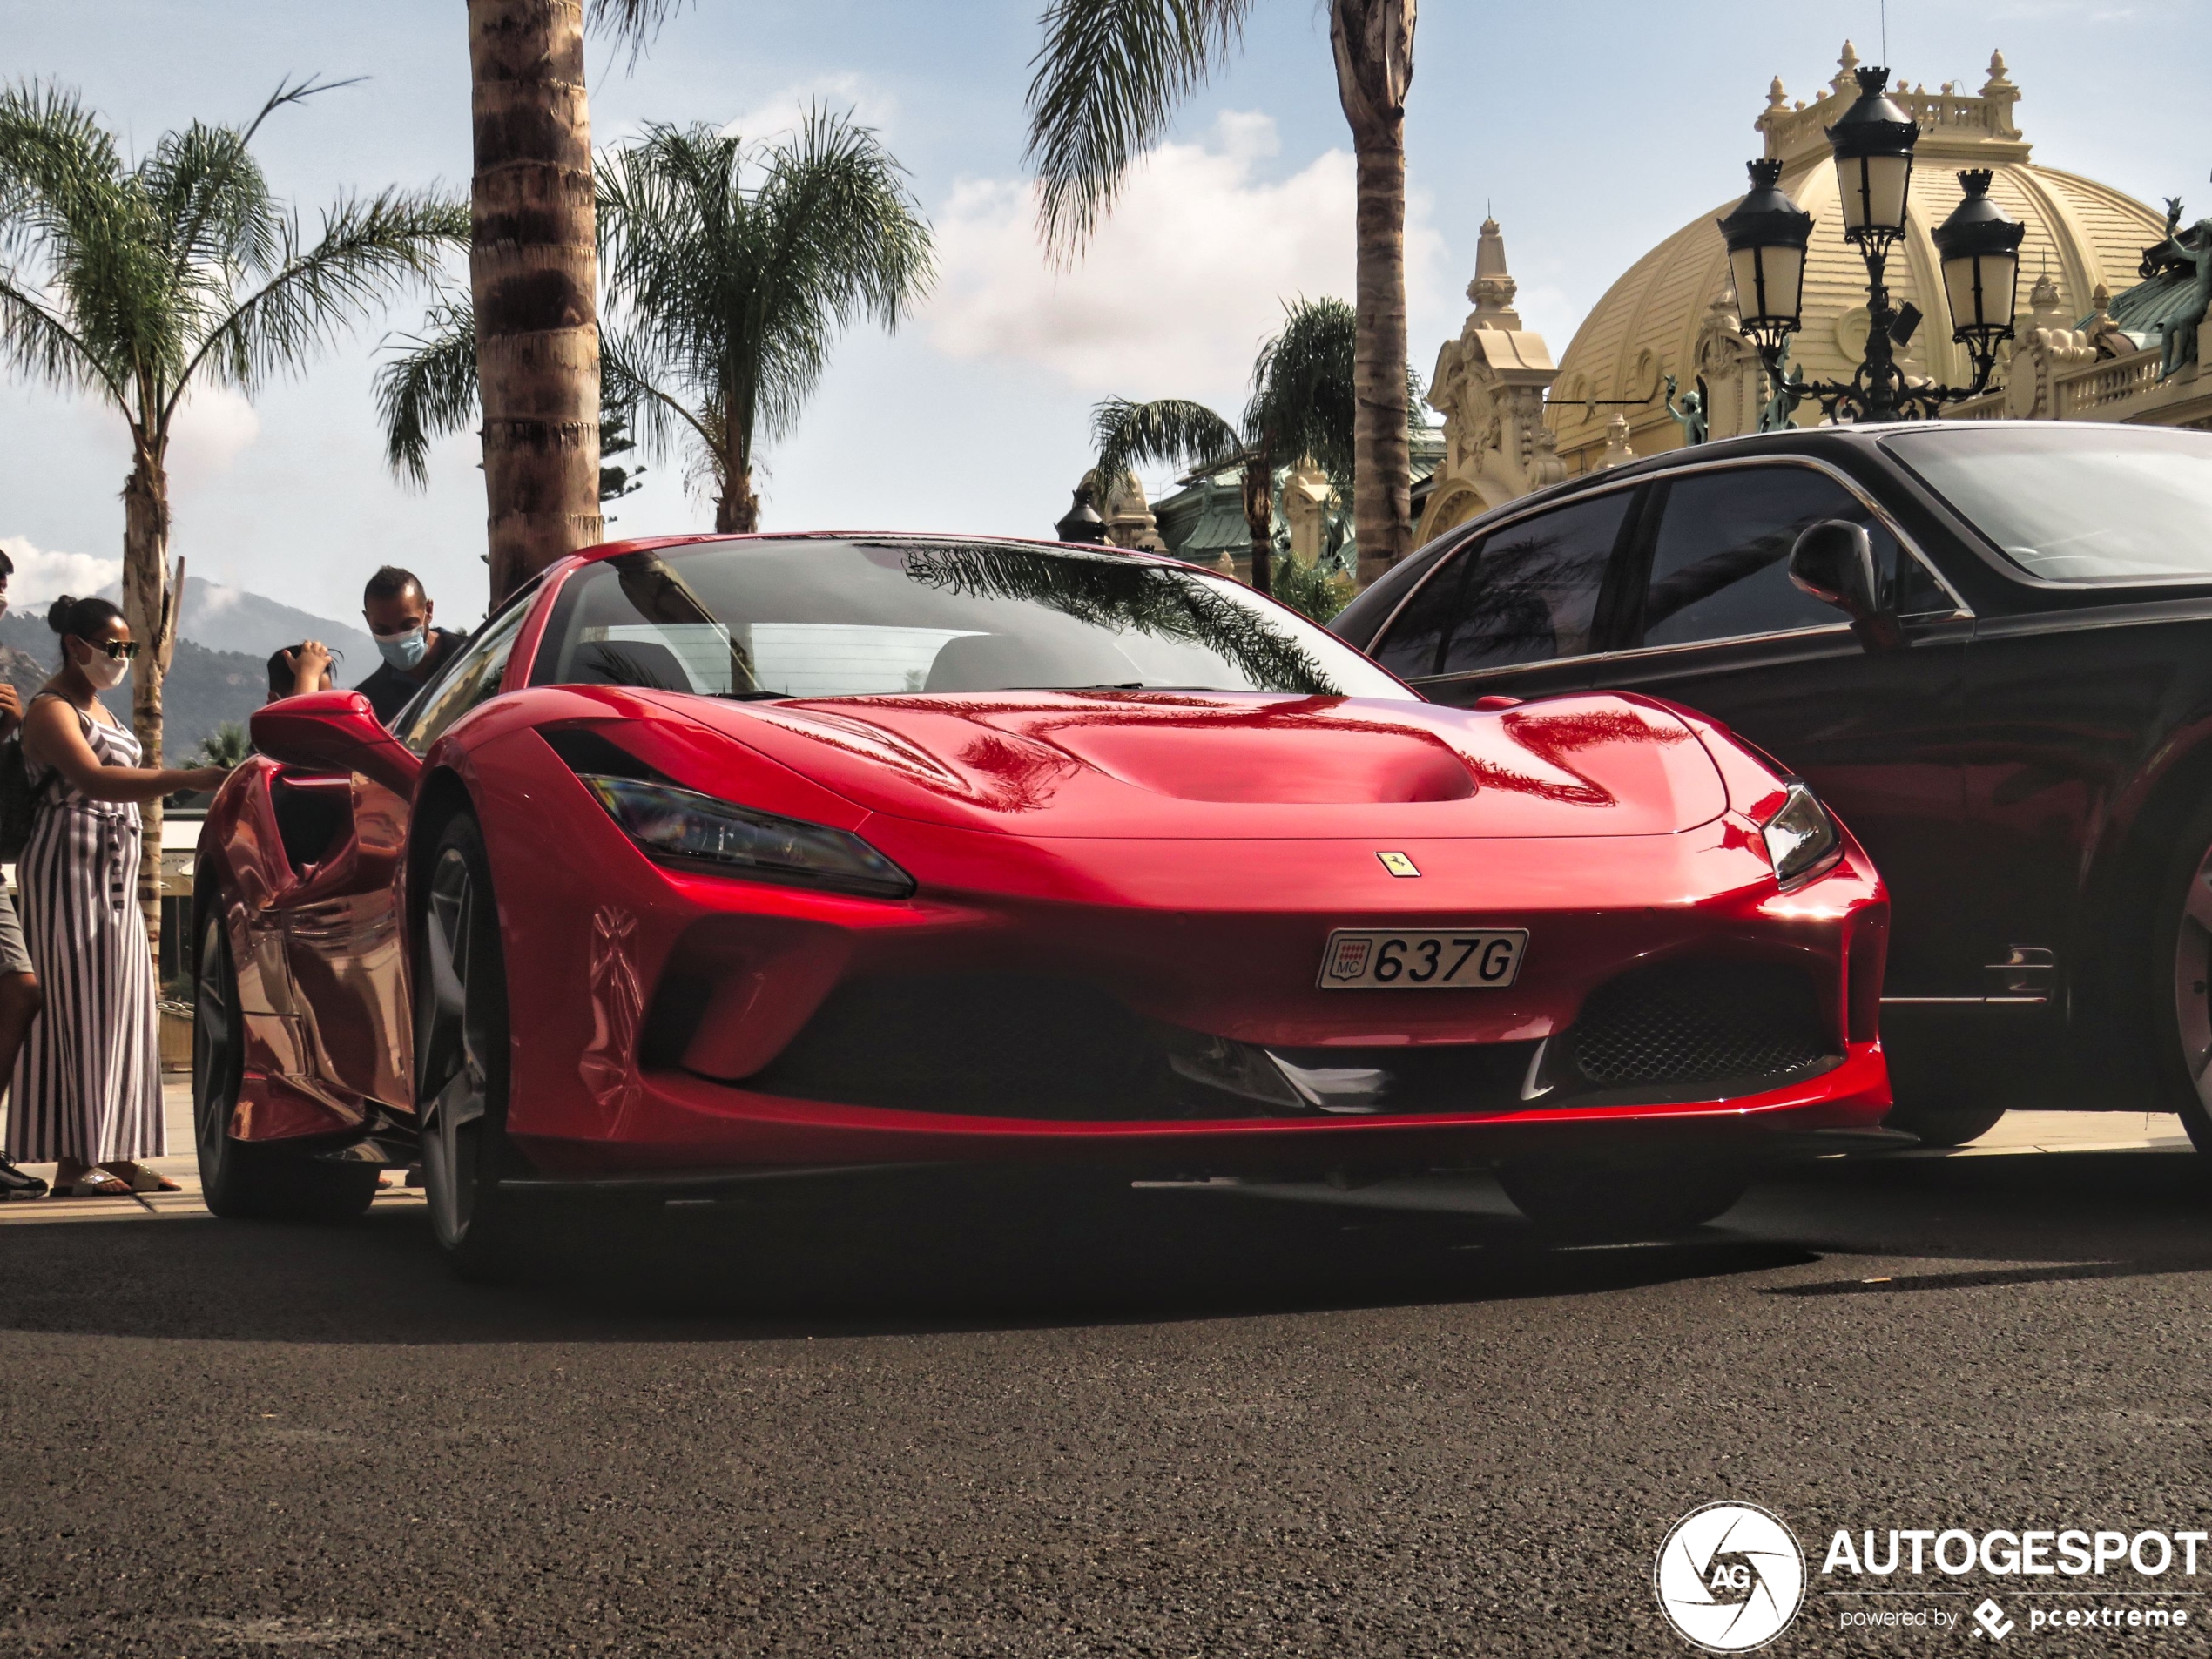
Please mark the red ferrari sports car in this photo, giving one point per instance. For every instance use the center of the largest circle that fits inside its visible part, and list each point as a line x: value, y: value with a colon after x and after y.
x: 714, y: 859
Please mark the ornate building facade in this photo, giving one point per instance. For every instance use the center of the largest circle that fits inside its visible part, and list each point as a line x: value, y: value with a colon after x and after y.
x: 1512, y: 422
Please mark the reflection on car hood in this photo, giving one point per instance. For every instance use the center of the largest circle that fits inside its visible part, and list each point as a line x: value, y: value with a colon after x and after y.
x: 1205, y: 763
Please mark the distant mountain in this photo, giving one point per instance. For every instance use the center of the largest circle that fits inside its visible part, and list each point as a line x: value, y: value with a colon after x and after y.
x: 225, y: 619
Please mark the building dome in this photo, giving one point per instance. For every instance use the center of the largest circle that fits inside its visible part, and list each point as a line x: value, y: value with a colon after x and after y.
x: 1670, y: 312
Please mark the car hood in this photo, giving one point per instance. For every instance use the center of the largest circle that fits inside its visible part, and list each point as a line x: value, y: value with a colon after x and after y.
x: 1192, y: 765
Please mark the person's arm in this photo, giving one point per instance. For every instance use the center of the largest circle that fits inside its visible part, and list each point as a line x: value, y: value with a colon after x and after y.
x: 52, y: 737
x: 10, y: 711
x: 308, y: 664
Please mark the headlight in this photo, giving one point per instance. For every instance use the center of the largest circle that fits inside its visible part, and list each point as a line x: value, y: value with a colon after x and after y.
x: 1801, y: 838
x: 673, y: 822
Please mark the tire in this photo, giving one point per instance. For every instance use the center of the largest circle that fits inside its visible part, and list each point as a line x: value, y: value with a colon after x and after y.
x: 1592, y: 1202
x: 2180, y: 981
x: 1945, y: 1126
x: 462, y: 1055
x: 239, y: 1180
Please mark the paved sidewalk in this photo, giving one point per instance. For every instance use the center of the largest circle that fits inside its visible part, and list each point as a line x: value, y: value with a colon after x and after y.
x: 182, y: 1166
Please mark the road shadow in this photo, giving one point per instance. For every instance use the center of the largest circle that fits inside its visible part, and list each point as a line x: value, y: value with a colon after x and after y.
x: 881, y: 1258
x: 884, y: 1258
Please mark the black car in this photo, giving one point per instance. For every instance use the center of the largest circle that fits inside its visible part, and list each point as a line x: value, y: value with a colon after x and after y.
x: 1987, y: 644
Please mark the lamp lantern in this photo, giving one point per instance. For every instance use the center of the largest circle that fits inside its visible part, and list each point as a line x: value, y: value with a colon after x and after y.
x: 1873, y: 148
x: 1981, y: 252
x: 1766, y: 237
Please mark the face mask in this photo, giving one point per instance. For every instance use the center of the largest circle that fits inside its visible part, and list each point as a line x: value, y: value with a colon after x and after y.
x: 104, y: 672
x: 404, y: 651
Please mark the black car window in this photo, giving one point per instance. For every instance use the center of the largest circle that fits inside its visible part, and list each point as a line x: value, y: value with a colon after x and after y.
x: 1720, y: 565
x: 473, y: 676
x: 1530, y: 593
x: 1415, y: 637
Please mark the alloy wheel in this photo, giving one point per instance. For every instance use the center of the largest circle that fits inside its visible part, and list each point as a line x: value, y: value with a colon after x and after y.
x: 2193, y: 979
x: 214, y: 1049
x: 454, y: 1043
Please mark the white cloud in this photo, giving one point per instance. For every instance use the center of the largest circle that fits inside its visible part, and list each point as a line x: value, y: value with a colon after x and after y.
x: 43, y: 575
x: 215, y: 425
x: 1182, y: 282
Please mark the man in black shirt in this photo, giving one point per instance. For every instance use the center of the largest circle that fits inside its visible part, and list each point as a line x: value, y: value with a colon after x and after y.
x: 398, y: 613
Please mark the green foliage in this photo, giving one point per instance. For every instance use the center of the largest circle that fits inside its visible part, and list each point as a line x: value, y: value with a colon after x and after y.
x: 1302, y: 398
x: 1311, y: 590
x: 429, y: 391
x: 226, y: 745
x: 138, y: 280
x: 730, y: 270
x: 615, y: 483
x: 1109, y: 591
x: 1106, y: 83
x: 1168, y: 431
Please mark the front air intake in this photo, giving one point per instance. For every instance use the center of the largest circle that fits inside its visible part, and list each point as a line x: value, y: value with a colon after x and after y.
x: 1678, y: 1024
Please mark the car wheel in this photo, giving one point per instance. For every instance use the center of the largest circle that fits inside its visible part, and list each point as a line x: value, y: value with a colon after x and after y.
x: 1584, y: 1202
x: 2182, y: 978
x: 461, y: 1056
x: 1946, y: 1125
x: 238, y: 1179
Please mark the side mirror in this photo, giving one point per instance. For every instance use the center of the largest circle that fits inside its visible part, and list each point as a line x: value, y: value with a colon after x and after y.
x: 335, y: 732
x: 1833, y: 561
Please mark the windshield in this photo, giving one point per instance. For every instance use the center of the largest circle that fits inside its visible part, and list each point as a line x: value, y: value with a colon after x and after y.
x: 2080, y: 503
x: 823, y: 619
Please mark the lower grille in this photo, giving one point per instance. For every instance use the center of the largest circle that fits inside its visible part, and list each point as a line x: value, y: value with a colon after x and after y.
x: 992, y: 1046
x: 1681, y: 1023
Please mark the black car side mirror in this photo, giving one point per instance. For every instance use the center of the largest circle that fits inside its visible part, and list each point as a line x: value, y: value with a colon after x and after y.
x: 1833, y: 561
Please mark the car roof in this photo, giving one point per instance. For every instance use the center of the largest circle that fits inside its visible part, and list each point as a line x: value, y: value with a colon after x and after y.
x: 648, y: 544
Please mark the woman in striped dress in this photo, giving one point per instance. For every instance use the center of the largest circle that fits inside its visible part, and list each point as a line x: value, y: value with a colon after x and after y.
x: 87, y: 1089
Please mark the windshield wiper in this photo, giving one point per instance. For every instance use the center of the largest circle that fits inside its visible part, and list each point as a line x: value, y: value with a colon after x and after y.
x: 751, y: 697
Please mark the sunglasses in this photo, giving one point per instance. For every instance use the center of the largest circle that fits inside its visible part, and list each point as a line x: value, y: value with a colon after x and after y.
x: 125, y: 648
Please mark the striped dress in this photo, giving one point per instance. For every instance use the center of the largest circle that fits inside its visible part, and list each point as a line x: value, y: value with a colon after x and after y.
x: 88, y: 1083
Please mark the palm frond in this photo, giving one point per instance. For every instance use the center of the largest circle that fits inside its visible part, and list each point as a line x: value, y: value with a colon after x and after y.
x: 42, y: 344
x: 635, y: 21
x: 1302, y: 400
x: 1170, y: 430
x: 365, y: 251
x: 429, y: 390
x: 1106, y: 83
x: 725, y: 295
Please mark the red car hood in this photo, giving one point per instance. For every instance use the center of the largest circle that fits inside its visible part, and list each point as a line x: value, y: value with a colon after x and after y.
x: 1199, y: 765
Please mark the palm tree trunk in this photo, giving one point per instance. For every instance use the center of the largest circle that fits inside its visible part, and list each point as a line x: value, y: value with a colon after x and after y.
x: 737, y: 510
x: 534, y: 271
x: 146, y: 608
x: 1374, y: 52
x: 1259, y: 520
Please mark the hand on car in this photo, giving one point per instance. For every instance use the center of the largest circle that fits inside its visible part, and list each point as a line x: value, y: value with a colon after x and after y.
x: 206, y: 778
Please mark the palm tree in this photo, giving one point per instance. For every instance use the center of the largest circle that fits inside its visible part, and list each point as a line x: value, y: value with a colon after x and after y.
x: 1301, y: 408
x: 141, y: 282
x: 1108, y: 80
x: 725, y: 296
x: 533, y: 271
x: 728, y: 296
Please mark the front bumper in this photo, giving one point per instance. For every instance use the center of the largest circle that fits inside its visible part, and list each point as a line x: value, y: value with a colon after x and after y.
x: 649, y: 1002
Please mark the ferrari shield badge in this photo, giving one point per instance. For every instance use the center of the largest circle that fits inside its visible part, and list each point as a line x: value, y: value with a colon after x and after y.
x: 1398, y: 863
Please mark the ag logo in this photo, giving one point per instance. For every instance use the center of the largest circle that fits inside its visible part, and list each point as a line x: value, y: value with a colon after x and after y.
x: 1730, y: 1577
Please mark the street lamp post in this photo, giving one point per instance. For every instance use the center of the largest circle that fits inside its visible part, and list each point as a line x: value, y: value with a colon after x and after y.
x: 1768, y: 233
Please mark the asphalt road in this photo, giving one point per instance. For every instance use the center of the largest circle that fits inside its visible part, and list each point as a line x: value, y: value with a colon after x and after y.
x: 1178, y: 1424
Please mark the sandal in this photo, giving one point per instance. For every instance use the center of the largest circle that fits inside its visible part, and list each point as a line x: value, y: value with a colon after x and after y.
x: 93, y: 1183
x: 141, y: 1179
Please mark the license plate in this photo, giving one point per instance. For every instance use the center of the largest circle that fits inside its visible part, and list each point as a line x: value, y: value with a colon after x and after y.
x: 1359, y: 959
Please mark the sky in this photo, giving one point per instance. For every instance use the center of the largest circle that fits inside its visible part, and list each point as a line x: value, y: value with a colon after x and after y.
x: 1591, y: 128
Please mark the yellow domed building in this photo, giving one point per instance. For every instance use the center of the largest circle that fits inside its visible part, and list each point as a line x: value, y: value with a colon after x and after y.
x: 1672, y: 312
